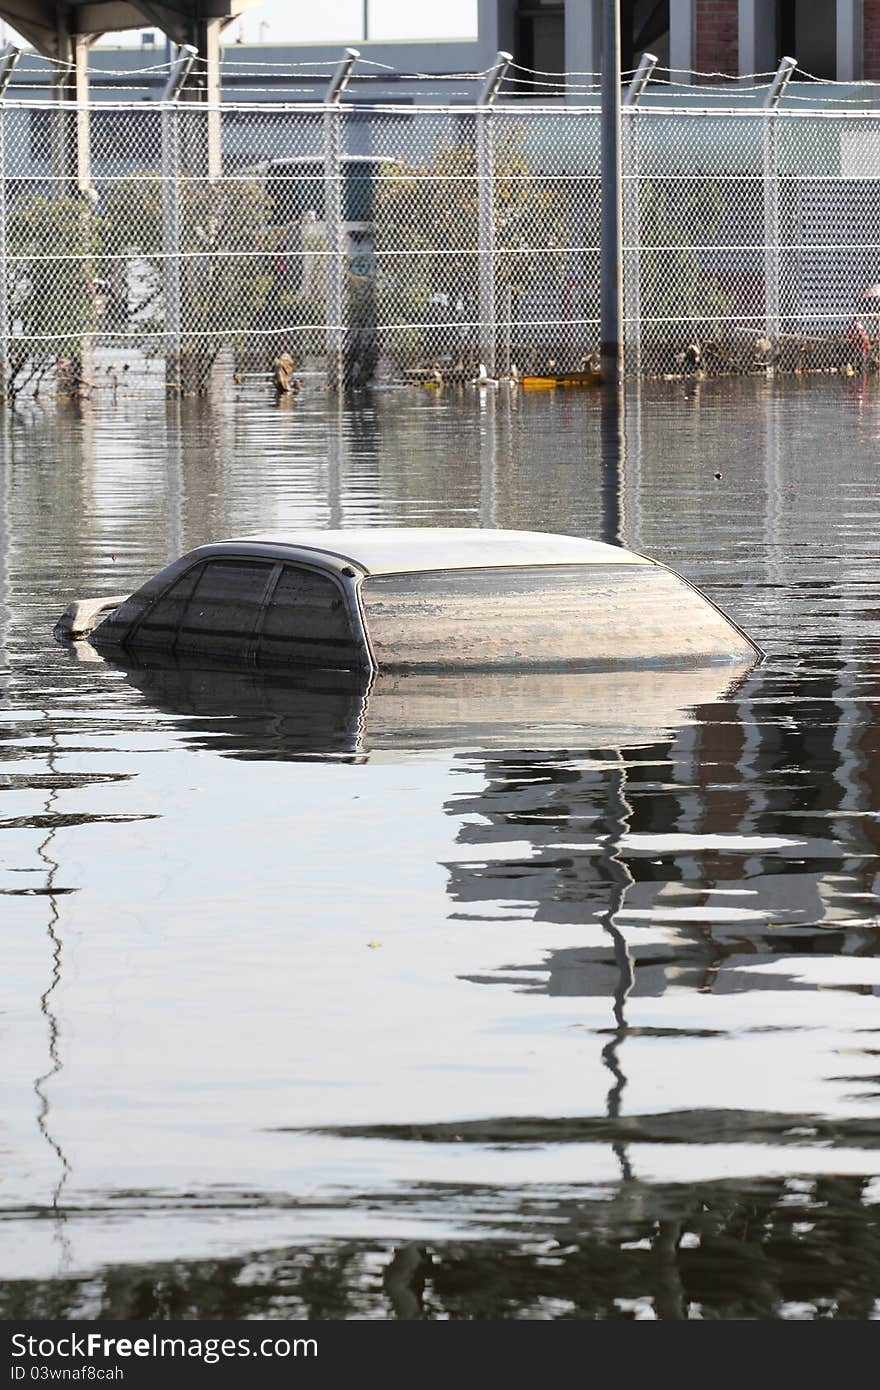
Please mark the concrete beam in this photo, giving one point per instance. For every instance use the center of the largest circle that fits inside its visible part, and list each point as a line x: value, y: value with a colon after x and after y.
x: 757, y: 36
x: 45, y: 24
x: 496, y: 20
x: 71, y: 146
x: 583, y: 39
x: 37, y: 22
x: 683, y: 39
x: 850, y: 40
x: 108, y: 16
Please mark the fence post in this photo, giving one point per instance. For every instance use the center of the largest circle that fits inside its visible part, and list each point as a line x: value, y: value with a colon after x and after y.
x: 486, y: 209
x: 9, y: 56
x: 171, y: 213
x: 333, y: 220
x: 4, y: 303
x: 771, y: 201
x: 611, y: 253
x: 632, y: 328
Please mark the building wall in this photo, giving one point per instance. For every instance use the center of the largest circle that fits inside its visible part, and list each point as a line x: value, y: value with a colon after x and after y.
x: 717, y: 48
x: 713, y: 36
x: 872, y: 39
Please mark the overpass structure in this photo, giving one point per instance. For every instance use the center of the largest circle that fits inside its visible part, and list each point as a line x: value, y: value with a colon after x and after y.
x: 64, y: 33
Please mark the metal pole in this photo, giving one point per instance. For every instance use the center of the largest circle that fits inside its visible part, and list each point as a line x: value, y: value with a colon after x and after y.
x: 612, y: 437
x: 494, y: 77
x: 9, y: 56
x: 333, y: 220
x: 171, y: 243
x: 171, y: 213
x: 335, y: 245
x: 779, y: 83
x: 486, y: 208
x: 186, y: 53
x: 771, y: 200
x: 488, y: 406
x: 647, y: 64
x: 611, y: 249
x: 632, y: 331
x: 508, y: 328
x: 339, y: 81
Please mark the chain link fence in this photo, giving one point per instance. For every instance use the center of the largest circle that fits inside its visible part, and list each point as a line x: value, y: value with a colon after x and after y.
x: 154, y: 246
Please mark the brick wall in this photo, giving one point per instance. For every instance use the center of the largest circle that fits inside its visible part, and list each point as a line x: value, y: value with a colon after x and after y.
x: 872, y: 39
x: 717, y: 44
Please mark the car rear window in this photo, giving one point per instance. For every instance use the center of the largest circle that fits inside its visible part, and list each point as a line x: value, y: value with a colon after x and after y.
x: 543, y: 616
x: 307, y: 620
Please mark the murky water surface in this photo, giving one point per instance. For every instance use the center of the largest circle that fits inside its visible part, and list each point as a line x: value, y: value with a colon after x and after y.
x: 495, y: 1000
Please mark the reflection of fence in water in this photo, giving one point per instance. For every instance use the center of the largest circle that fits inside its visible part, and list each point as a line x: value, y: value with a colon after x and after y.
x: 365, y: 235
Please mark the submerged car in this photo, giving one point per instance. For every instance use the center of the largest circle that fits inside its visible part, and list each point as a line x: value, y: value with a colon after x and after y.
x: 412, y: 598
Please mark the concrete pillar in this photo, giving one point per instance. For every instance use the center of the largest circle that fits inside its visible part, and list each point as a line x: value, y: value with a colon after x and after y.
x: 871, y: 31
x: 71, y: 152
x: 683, y: 39
x: 583, y: 40
x: 757, y: 36
x: 497, y: 30
x: 204, y: 86
x: 850, y: 40
x: 71, y: 165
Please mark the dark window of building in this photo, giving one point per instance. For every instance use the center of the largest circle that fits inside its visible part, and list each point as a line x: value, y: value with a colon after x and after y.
x: 307, y: 620
x: 644, y: 28
x: 807, y: 30
x: 540, y: 34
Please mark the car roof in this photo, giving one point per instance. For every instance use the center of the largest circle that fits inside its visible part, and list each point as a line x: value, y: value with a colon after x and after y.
x: 404, y: 549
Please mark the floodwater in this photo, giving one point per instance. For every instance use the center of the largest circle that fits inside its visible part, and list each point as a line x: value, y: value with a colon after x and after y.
x: 490, y: 999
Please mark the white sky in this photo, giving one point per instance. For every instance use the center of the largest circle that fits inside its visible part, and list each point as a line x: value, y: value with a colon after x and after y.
x: 340, y: 21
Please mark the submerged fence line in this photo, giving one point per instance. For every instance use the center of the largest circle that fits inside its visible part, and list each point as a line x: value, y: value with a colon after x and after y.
x: 142, y: 245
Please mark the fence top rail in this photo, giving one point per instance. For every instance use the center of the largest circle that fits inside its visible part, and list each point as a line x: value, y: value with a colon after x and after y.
x: 499, y: 112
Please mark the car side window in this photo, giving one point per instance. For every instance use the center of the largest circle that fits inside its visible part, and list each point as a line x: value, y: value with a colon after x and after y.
x: 158, y: 628
x: 221, y: 615
x: 307, y: 620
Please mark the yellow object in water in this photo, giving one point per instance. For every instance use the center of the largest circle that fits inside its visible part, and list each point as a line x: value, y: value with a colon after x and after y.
x: 549, y: 383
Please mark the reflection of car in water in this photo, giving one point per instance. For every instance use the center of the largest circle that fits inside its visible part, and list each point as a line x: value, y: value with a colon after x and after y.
x: 409, y: 599
x: 324, y: 713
